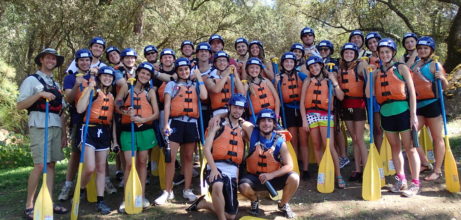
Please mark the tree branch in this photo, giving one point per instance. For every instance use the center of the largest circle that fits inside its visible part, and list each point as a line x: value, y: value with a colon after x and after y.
x: 456, y: 2
x: 196, y: 7
x: 399, y: 13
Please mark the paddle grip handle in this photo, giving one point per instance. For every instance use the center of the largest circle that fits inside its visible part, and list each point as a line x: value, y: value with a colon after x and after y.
x: 167, y: 150
x: 414, y: 136
x: 271, y: 189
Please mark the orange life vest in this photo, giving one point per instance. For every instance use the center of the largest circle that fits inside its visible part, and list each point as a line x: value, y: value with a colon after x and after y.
x: 161, y: 92
x: 388, y: 87
x: 424, y: 88
x: 220, y: 99
x: 141, y: 106
x: 291, y: 88
x: 102, y: 109
x: 185, y: 102
x: 352, y: 83
x: 374, y: 61
x: 263, y: 160
x: 262, y: 98
x: 229, y: 145
x: 317, y: 95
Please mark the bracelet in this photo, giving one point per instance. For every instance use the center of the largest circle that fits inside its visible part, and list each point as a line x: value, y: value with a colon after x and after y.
x: 201, y: 83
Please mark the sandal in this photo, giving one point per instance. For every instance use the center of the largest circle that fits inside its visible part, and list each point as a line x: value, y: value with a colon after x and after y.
x: 433, y: 176
x: 29, y: 213
x: 341, y: 184
x: 193, y: 206
x: 57, y: 209
x: 426, y: 167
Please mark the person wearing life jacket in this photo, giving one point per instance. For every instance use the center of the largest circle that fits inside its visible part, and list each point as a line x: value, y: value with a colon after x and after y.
x: 181, y: 117
x: 73, y: 86
x: 326, y: 49
x: 151, y: 53
x: 394, y: 91
x: 307, y: 37
x: 298, y: 50
x: 127, y: 68
x: 314, y: 110
x: 144, y: 112
x: 219, y: 84
x: 217, y: 44
x: 33, y: 93
x: 256, y: 50
x: 353, y: 107
x: 410, y: 56
x: 291, y: 85
x: 261, y: 92
x: 187, y: 50
x: 428, y: 104
x: 113, y: 56
x: 225, y: 150
x: 371, y: 42
x: 241, y: 47
x: 99, y: 133
x: 268, y: 160
x: 358, y: 39
x: 96, y: 46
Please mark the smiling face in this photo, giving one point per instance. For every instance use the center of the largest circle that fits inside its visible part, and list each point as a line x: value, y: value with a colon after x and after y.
x: 315, y: 69
x: 385, y: 54
x: 114, y: 57
x: 151, y: 57
x: 143, y: 76
x: 106, y: 79
x: 266, y: 125
x: 242, y: 49
x: 129, y: 61
x: 97, y: 50
x: 187, y: 50
x: 348, y: 55
x: 183, y: 72
x: 308, y: 39
x: 288, y: 64
x: 167, y: 60
x: 254, y: 70
x: 357, y: 40
x: 373, y: 44
x: 254, y: 50
x: 298, y: 53
x: 424, y: 51
x: 216, y: 45
x: 203, y: 55
x: 84, y: 64
x: 410, y: 44
x: 221, y: 63
x: 48, y: 62
x: 236, y: 111
x: 324, y: 52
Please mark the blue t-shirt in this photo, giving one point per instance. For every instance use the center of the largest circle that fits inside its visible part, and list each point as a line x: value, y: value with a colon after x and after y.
x: 426, y: 72
x: 69, y: 82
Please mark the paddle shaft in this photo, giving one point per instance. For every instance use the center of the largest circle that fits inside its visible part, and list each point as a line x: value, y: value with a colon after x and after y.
x: 275, y: 66
x: 370, y: 105
x: 85, y: 129
x: 199, y: 102
x: 442, y: 102
x: 45, y: 144
x: 330, y: 103
x: 251, y: 105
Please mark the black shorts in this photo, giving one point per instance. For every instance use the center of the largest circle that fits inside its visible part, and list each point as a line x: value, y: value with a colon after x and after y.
x: 184, y: 132
x: 430, y: 111
x: 229, y: 191
x: 293, y: 117
x: 396, y: 123
x: 98, y: 137
x: 353, y: 114
x: 75, y: 134
x: 278, y: 183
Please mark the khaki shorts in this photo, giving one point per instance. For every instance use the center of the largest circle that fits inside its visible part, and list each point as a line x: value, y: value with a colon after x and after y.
x: 55, y: 152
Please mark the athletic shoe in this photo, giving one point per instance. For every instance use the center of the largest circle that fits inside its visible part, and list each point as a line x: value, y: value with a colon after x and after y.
x: 254, y: 208
x: 145, y: 203
x: 162, y: 199
x: 102, y: 208
x: 171, y: 196
x: 119, y: 175
x: 121, y: 209
x: 286, y: 210
x: 178, y: 180
x: 413, y: 190
x: 189, y: 195
x: 110, y: 189
x: 65, y: 192
x: 399, y: 185
x: 343, y: 162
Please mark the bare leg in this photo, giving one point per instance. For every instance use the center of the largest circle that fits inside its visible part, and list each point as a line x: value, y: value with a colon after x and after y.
x: 290, y: 188
x: 141, y: 167
x: 101, y: 160
x: 187, y: 151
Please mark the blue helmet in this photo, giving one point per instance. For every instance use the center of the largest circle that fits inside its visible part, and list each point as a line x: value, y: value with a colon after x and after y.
x: 240, y: 40
x: 266, y: 113
x: 287, y: 56
x: 203, y: 46
x: 254, y: 61
x: 313, y: 60
x: 147, y: 66
x: 408, y: 35
x: 128, y: 52
x: 106, y: 70
x: 83, y: 53
x: 426, y: 41
x: 350, y: 46
x: 356, y: 32
x: 216, y: 37
x: 150, y: 48
x: 221, y: 54
x: 257, y: 42
x: 387, y: 42
x: 307, y: 30
x: 187, y: 42
x: 167, y: 51
x: 98, y: 40
x: 372, y: 35
x: 182, y: 62
x: 326, y: 43
x: 238, y: 100
x: 297, y: 46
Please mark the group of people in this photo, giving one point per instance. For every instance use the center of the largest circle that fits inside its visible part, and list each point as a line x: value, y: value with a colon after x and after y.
x: 241, y: 103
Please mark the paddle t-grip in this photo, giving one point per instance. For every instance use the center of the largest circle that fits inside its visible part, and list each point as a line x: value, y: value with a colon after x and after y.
x: 330, y: 66
x: 275, y: 60
x: 271, y: 189
x: 414, y: 136
x: 167, y: 148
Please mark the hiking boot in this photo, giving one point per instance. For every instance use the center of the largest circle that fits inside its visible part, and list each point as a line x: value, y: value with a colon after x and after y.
x: 254, y: 208
x: 102, y: 208
x: 399, y: 185
x: 413, y: 190
x: 286, y: 210
x: 189, y: 195
x: 178, y: 180
x: 162, y: 199
x: 343, y: 162
x: 65, y: 192
x: 109, y: 188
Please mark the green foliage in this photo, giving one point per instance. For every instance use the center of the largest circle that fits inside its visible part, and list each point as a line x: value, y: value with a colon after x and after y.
x: 15, y: 152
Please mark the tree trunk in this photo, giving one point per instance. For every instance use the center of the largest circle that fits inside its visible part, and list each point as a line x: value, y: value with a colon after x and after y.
x: 454, y: 43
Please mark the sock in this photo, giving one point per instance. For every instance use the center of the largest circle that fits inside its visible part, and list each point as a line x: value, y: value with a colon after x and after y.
x: 68, y: 183
x: 415, y: 181
x: 401, y: 176
x: 100, y: 199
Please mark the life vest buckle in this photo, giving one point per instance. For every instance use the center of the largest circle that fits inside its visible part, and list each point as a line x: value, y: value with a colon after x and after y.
x: 263, y: 96
x: 262, y: 164
x: 232, y: 153
x: 105, y: 108
x: 265, y: 105
x: 317, y: 92
x: 187, y: 100
x: 188, y: 110
x: 233, y: 142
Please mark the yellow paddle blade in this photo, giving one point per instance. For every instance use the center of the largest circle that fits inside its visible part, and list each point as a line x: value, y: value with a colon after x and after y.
x: 379, y: 163
x: 386, y: 157
x: 76, y: 197
x: 371, y: 186
x: 451, y: 171
x: 154, y: 158
x: 326, y: 175
x: 133, y: 191
x: 251, y: 218
x: 91, y: 192
x: 278, y: 197
x: 294, y: 158
x: 161, y: 166
x: 203, y: 183
x: 43, y: 208
x: 425, y: 140
x: 310, y: 150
